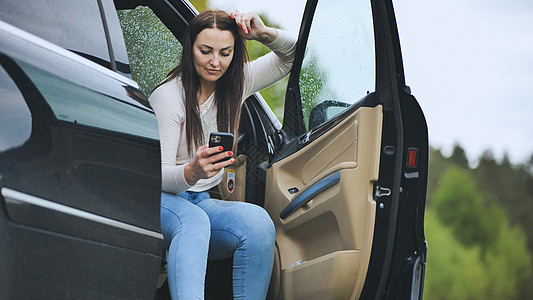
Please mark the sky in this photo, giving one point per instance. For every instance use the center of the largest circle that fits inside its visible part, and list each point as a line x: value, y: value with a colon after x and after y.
x: 468, y: 63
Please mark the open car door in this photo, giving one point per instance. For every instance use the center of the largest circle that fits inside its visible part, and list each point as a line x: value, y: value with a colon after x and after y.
x: 346, y: 186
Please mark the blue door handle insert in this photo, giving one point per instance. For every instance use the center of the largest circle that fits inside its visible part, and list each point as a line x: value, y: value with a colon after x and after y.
x: 310, y: 193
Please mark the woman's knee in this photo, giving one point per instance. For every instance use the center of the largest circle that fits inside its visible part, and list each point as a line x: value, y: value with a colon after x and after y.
x: 257, y: 224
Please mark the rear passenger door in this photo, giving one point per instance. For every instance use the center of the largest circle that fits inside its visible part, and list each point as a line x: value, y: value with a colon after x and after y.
x: 79, y: 157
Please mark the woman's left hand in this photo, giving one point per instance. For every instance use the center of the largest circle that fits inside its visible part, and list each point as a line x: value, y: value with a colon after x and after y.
x: 252, y: 27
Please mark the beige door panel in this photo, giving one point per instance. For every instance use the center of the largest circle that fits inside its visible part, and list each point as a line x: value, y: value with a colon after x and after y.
x: 237, y: 172
x: 331, y: 235
x: 335, y: 280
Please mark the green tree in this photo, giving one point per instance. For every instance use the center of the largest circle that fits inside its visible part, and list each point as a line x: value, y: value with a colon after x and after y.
x: 456, y: 271
x: 459, y: 156
x: 486, y: 237
x: 508, y: 265
x: 438, y: 163
x: 152, y: 49
x: 528, y: 166
x: 453, y: 271
x: 460, y: 206
x: 200, y: 4
x: 312, y: 84
x: 511, y: 188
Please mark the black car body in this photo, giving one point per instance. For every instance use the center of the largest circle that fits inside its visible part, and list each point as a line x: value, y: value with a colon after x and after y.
x: 344, y: 177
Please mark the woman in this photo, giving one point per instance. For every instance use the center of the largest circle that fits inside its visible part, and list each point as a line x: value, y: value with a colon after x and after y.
x: 204, y: 94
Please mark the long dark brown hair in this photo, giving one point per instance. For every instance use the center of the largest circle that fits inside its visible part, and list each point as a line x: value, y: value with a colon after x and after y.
x: 229, y: 88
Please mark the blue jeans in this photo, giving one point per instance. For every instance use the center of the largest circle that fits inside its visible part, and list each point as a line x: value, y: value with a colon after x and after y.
x: 197, y: 228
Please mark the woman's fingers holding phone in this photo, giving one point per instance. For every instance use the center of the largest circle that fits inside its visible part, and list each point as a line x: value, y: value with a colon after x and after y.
x: 215, y: 158
x: 222, y: 156
x: 203, y: 165
x: 218, y: 165
x: 213, y: 150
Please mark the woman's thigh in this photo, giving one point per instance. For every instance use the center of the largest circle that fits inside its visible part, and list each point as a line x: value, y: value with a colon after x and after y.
x: 237, y: 224
x: 180, y: 217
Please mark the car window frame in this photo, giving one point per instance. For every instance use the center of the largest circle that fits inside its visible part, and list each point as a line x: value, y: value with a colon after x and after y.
x: 387, y: 61
x: 296, y: 136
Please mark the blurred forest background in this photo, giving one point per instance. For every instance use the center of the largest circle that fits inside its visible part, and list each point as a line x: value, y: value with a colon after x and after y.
x: 478, y: 224
x: 478, y: 227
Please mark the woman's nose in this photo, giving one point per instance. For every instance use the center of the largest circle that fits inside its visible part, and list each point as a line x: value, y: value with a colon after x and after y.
x: 214, y: 61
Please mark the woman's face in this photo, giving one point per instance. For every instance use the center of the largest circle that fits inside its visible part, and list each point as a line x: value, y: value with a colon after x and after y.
x: 212, y: 54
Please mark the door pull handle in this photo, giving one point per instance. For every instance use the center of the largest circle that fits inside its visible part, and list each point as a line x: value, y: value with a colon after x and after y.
x: 310, y: 193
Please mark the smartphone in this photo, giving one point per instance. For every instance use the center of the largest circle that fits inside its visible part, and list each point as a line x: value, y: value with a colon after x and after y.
x: 223, y: 139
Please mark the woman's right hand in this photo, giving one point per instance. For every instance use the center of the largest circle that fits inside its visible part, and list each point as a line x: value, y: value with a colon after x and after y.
x: 204, y: 164
x: 252, y: 27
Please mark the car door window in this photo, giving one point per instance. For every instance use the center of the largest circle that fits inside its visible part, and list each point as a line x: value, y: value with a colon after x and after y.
x: 77, y: 104
x: 339, y: 66
x: 15, y: 116
x: 73, y: 25
x: 152, y: 49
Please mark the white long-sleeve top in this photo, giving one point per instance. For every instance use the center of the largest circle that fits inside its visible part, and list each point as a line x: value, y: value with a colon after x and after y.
x: 168, y: 103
